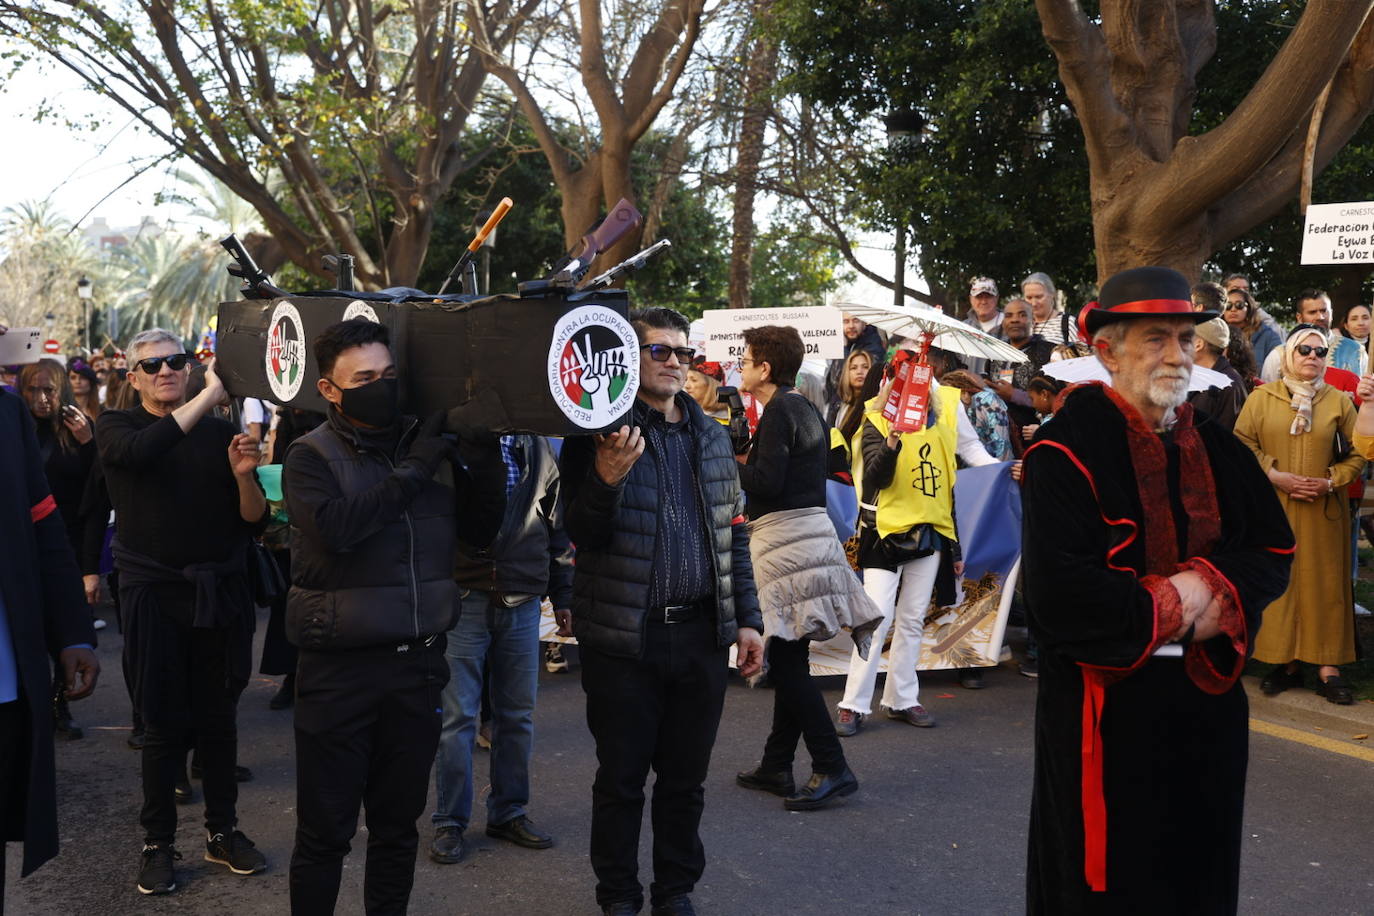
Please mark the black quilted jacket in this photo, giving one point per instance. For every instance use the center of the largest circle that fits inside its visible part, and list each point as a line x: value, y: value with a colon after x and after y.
x: 614, y: 531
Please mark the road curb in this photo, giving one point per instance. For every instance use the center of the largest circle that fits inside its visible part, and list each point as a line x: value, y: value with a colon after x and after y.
x: 1302, y: 707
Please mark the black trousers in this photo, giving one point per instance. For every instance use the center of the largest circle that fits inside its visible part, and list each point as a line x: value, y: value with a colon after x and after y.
x: 799, y: 711
x: 14, y: 771
x: 367, y: 728
x: 658, y: 711
x: 188, y: 697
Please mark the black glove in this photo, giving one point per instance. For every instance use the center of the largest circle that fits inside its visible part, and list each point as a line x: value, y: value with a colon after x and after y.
x: 430, y: 447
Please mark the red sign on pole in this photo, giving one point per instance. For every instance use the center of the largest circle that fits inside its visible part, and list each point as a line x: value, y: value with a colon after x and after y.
x: 909, y: 399
x: 52, y: 346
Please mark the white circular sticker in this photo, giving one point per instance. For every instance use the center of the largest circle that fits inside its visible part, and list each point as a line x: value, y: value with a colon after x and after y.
x: 360, y: 309
x: 593, y: 365
x: 285, y: 352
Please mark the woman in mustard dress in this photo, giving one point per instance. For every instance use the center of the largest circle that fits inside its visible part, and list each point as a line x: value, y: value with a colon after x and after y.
x: 1300, y: 429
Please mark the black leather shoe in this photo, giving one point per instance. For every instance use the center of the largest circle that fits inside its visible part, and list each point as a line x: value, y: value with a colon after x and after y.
x: 681, y: 905
x: 779, y: 783
x: 621, y: 908
x: 241, y: 774
x: 821, y: 790
x: 285, y: 696
x: 447, y: 846
x: 1279, y: 680
x: 521, y: 832
x: 136, y: 739
x: 970, y: 679
x: 183, y: 791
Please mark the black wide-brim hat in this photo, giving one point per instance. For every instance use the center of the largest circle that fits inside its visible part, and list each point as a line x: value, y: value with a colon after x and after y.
x: 1143, y: 292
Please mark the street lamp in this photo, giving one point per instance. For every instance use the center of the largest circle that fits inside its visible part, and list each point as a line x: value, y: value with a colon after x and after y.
x: 903, y: 127
x: 84, y: 292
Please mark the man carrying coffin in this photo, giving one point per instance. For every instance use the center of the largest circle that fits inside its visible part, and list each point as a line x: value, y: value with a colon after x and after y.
x: 1152, y: 543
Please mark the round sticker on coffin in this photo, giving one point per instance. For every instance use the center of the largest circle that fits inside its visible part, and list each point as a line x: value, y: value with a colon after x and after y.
x: 593, y: 366
x: 360, y: 309
x: 285, y: 360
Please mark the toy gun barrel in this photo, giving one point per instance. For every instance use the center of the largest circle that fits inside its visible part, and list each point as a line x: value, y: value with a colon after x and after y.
x: 634, y: 262
x: 466, y: 260
x: 256, y: 283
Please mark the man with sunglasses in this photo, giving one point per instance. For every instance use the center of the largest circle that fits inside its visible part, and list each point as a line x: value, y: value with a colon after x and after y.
x: 662, y: 587
x: 184, y: 489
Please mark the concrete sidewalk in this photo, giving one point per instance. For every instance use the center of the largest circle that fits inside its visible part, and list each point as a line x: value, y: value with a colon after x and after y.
x: 1302, y: 708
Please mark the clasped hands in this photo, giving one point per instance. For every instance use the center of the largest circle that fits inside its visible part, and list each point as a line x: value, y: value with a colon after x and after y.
x: 1299, y: 487
x: 1201, y: 610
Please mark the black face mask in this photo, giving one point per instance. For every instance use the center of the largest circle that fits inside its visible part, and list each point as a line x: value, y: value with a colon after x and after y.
x: 376, y: 403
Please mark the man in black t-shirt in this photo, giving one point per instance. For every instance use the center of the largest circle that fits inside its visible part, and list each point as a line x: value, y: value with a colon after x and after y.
x: 188, y: 505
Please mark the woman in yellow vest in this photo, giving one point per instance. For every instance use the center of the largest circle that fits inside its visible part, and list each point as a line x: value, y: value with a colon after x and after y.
x: 907, y: 539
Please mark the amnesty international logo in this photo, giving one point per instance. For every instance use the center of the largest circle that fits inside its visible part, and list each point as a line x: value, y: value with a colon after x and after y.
x: 285, y: 355
x: 593, y: 366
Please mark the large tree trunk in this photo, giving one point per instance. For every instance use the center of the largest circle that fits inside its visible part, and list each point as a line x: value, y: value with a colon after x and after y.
x: 1162, y: 197
x: 626, y: 106
x: 762, y: 69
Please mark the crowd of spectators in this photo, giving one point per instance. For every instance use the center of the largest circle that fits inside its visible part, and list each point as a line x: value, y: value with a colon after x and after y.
x: 453, y: 538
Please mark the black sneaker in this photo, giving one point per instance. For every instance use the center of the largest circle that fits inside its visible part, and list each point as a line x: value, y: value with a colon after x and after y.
x: 235, y: 851
x: 157, y: 875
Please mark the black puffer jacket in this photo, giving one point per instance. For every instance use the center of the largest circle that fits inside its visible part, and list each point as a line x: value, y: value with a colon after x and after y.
x: 614, y: 530
x: 372, y: 544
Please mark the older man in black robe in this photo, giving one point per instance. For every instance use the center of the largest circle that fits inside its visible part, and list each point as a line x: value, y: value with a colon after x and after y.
x: 1152, y: 544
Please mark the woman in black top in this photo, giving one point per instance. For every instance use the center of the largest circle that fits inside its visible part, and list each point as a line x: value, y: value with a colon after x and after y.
x: 806, y: 589
x: 65, y: 437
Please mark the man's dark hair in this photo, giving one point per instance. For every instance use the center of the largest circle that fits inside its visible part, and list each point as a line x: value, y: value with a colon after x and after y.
x: 1210, y: 296
x: 1309, y: 293
x: 1230, y: 277
x: 780, y: 347
x: 660, y: 317
x: 356, y: 332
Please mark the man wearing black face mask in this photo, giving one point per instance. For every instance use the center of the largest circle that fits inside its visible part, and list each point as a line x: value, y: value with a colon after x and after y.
x: 377, y: 504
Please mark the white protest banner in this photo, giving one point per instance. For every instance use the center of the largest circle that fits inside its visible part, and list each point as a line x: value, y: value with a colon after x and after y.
x: 1339, y: 233
x: 821, y: 329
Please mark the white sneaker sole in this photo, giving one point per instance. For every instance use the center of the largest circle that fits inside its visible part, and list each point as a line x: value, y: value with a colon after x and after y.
x: 237, y: 871
x: 157, y: 890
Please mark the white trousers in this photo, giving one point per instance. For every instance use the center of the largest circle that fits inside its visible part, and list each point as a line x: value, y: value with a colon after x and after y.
x: 907, y: 618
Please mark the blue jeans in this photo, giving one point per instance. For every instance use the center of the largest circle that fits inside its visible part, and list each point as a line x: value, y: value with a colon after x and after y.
x: 508, y: 640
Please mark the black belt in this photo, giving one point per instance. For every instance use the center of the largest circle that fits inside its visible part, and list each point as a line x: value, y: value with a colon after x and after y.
x: 677, y: 613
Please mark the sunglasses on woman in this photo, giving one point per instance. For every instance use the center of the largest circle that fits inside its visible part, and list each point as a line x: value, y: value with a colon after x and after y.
x: 1309, y: 349
x: 153, y: 364
x: 659, y: 353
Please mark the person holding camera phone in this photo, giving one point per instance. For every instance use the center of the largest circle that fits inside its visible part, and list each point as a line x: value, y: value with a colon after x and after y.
x: 65, y: 441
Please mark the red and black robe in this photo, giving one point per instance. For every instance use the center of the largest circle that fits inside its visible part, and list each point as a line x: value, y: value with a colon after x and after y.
x: 1140, y: 759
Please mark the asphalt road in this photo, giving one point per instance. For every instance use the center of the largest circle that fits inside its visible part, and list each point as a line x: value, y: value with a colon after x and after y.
x: 938, y: 827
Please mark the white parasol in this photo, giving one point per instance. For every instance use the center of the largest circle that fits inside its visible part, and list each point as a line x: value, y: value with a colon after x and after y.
x: 949, y: 333
x: 1090, y: 369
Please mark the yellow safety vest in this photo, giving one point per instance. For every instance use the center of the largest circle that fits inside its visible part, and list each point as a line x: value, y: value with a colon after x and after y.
x: 922, y: 488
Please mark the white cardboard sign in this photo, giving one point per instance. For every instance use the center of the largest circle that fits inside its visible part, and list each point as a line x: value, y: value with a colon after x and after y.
x: 821, y: 329
x: 1339, y: 234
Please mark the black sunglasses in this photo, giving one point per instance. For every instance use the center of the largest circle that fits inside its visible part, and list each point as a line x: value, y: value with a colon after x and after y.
x: 153, y: 364
x: 659, y: 353
x: 1308, y: 350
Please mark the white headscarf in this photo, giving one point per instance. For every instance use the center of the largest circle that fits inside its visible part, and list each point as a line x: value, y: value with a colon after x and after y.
x: 1302, y: 390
